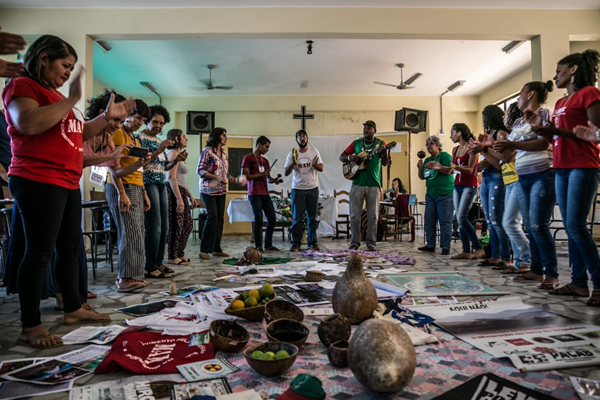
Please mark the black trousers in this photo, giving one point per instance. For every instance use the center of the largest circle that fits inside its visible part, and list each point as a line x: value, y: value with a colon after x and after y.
x: 51, y: 217
x: 213, y: 227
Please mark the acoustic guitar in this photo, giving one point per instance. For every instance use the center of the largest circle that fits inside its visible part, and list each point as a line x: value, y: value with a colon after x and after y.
x: 351, y: 169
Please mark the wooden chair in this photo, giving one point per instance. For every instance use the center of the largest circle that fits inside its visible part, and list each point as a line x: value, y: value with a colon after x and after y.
x: 343, y: 220
x: 401, y: 221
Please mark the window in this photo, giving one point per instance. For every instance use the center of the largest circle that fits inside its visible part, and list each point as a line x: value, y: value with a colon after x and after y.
x: 504, y: 104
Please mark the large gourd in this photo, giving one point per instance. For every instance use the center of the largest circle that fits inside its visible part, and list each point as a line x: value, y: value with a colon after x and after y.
x: 354, y: 295
x: 382, y: 356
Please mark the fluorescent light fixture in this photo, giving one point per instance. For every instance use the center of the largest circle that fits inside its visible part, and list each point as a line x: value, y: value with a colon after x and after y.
x: 512, y: 46
x: 455, y: 85
x: 152, y: 90
x: 102, y: 45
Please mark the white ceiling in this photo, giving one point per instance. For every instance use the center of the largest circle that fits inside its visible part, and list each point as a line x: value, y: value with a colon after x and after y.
x: 337, y: 67
x: 489, y: 4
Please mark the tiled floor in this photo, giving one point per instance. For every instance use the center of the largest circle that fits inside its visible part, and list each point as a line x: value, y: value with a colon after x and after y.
x: 201, y: 272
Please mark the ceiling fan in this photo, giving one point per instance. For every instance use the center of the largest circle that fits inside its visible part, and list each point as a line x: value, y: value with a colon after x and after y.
x: 403, y: 85
x: 208, y: 82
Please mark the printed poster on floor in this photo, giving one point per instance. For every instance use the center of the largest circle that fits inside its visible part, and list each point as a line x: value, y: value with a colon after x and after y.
x: 431, y: 284
x: 532, y: 338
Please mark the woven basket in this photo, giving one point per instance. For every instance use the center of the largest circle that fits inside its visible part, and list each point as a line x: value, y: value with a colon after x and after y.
x: 251, y: 314
x: 314, y: 276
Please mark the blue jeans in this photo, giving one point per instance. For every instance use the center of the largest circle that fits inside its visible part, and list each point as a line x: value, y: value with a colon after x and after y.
x: 492, y: 201
x: 575, y: 191
x: 537, y: 199
x: 463, y: 200
x: 438, y: 208
x: 260, y: 203
x: 305, y: 200
x: 157, y: 225
x: 511, y: 222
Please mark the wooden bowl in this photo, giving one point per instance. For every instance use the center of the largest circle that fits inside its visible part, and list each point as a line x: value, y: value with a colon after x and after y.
x: 228, y: 336
x: 282, y: 309
x: 287, y: 331
x: 337, y: 354
x: 271, y: 367
x: 251, y: 314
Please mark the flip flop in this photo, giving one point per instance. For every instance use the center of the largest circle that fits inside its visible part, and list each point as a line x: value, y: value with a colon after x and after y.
x: 130, y: 286
x: 486, y: 263
x: 29, y: 342
x: 185, y: 259
x: 163, y: 275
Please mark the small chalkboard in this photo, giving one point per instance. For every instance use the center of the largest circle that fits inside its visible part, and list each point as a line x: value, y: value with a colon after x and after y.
x: 235, y: 156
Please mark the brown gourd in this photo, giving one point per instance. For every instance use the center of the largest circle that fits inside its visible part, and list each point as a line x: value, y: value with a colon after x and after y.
x: 354, y: 295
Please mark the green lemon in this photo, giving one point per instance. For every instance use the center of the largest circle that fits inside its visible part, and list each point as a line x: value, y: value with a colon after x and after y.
x: 251, y: 302
x: 281, y: 354
x: 268, y: 356
x: 257, y: 354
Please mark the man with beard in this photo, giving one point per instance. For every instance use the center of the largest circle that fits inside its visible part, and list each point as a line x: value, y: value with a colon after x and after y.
x: 366, y: 187
x: 304, y: 162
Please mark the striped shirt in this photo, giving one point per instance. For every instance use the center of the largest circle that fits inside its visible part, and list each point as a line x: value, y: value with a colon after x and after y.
x: 530, y: 162
x: 215, y: 164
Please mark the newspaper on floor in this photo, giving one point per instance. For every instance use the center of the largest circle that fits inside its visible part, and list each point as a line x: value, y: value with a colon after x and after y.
x: 95, y: 334
x: 207, y: 369
x: 61, y: 369
x: 129, y: 388
x: 586, y: 389
x: 187, y: 290
x: 532, y: 338
x: 180, y: 320
x: 147, y: 308
x: 17, y: 390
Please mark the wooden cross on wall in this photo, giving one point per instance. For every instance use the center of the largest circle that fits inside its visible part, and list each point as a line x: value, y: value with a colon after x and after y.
x: 304, y: 116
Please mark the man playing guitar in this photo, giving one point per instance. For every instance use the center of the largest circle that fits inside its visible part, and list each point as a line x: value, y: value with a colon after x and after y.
x: 366, y: 186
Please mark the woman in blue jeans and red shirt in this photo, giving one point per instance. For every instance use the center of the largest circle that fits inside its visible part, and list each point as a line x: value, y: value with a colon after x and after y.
x: 464, y: 166
x: 577, y: 165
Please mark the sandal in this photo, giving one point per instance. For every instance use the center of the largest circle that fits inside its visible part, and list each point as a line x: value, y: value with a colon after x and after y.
x: 168, y: 270
x: 529, y: 276
x: 461, y: 256
x: 594, y: 301
x: 501, y: 266
x: 91, y: 295
x: 571, y: 290
x: 130, y: 285
x: 220, y: 254
x: 162, y: 275
x: 548, y: 286
x: 486, y: 263
x: 514, y: 270
x: 31, y: 342
x: 204, y: 256
x: 185, y: 259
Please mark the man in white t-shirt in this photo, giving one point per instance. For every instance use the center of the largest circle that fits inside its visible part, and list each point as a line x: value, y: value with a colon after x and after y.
x: 304, y: 162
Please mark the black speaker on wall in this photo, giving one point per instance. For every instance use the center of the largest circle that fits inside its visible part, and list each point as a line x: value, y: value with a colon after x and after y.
x: 411, y: 120
x: 200, y: 122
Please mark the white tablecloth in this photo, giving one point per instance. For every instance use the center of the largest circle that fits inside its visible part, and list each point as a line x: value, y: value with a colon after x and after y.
x: 240, y: 210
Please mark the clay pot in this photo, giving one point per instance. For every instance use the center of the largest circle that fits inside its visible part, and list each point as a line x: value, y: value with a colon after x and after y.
x: 338, y: 354
x: 354, y: 295
x: 382, y: 356
x: 333, y: 328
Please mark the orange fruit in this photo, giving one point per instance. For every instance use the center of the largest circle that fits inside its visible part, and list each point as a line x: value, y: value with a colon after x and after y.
x: 238, y: 305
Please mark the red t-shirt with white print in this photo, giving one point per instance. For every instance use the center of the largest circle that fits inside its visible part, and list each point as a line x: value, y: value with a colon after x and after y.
x: 54, y: 156
x: 568, y: 113
x: 153, y: 353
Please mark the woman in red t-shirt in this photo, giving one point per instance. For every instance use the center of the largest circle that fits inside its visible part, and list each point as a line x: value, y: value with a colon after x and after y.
x: 47, y: 134
x: 577, y: 165
x: 464, y: 166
